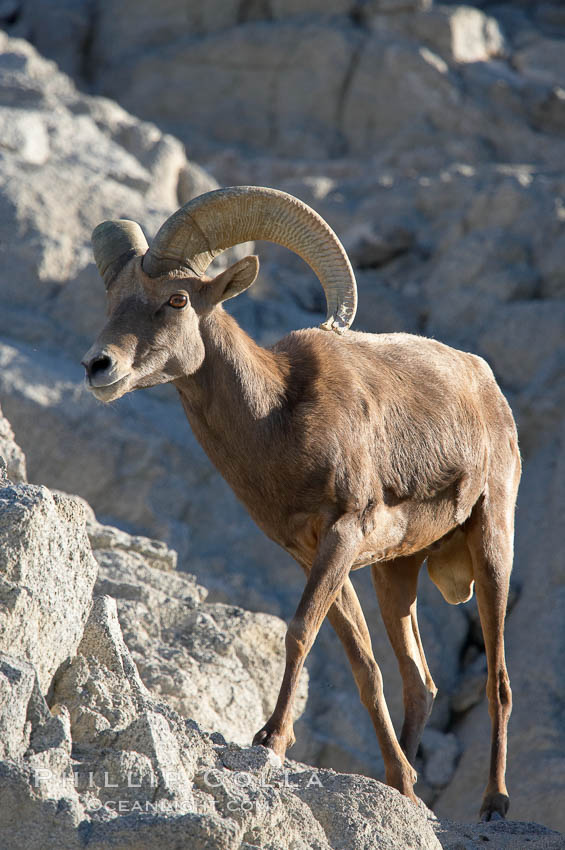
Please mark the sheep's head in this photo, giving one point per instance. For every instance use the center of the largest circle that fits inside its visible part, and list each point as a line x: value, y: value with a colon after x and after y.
x: 152, y: 335
x: 158, y: 296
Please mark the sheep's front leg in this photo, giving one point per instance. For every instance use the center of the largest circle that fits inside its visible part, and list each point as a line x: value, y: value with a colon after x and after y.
x: 336, y: 552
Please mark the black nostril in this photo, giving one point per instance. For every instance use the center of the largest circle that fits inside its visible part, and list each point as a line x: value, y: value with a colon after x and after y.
x: 99, y: 364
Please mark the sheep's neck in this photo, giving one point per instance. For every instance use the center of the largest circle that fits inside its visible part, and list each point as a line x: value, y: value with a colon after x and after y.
x: 234, y: 401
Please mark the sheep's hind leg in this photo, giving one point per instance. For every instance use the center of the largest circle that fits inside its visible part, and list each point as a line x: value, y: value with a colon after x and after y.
x: 396, y: 583
x: 336, y: 552
x: 346, y: 617
x: 490, y: 541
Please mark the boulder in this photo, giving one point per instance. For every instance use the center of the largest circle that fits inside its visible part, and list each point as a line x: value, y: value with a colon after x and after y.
x: 543, y: 60
x: 11, y: 452
x: 218, y: 664
x: 249, y: 108
x: 282, y: 76
x: 521, y: 337
x: 47, y: 573
x: 109, y: 759
x: 143, y: 776
x: 458, y: 34
x: 17, y: 681
x: 134, y: 756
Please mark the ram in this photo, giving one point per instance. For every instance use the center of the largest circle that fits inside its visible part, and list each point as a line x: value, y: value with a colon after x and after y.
x: 348, y: 449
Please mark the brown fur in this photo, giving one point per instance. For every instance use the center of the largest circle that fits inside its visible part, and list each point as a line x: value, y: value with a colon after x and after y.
x: 347, y: 451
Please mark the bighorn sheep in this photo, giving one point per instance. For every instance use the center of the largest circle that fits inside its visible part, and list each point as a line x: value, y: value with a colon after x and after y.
x: 348, y: 449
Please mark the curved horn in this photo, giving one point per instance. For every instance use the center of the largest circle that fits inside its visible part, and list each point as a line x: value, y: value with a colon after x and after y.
x: 114, y: 243
x: 217, y: 220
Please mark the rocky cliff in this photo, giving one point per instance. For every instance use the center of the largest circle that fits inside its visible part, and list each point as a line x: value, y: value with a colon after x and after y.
x: 99, y: 751
x: 430, y: 137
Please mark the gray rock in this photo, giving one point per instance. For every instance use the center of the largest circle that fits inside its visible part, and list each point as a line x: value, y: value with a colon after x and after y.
x: 120, y: 731
x: 217, y: 664
x: 156, y: 553
x: 281, y: 9
x: 521, y: 337
x: 111, y: 761
x: 440, y: 754
x: 394, y: 5
x: 458, y: 34
x: 351, y: 812
x: 471, y: 685
x: 460, y: 158
x: 47, y: 573
x: 11, y: 452
x: 17, y: 679
x: 499, y: 835
x: 542, y: 60
x: 117, y: 719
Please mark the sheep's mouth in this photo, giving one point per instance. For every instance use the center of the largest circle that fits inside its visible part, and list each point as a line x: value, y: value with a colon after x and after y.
x: 109, y: 392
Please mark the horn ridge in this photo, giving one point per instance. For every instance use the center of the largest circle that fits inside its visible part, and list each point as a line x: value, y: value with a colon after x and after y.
x: 114, y: 243
x: 215, y: 221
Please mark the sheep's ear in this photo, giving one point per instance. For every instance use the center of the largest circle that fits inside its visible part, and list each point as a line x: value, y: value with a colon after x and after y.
x: 232, y: 281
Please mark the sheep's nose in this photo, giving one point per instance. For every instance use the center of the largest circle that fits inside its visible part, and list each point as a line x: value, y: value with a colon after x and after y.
x: 98, y: 368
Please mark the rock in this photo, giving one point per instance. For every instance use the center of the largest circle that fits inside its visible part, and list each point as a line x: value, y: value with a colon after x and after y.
x: 521, y: 337
x: 471, y: 686
x: 118, y: 718
x: 542, y: 60
x: 500, y: 835
x: 119, y: 731
x: 111, y: 761
x: 445, y: 183
x: 281, y: 9
x: 194, y: 181
x: 351, y: 812
x: 124, y: 54
x: 217, y: 664
x: 550, y: 16
x: 373, y: 249
x: 17, y: 679
x: 26, y: 135
x: 395, y: 5
x: 440, y: 754
x: 457, y: 34
x: 539, y: 407
x: 64, y: 27
x: 425, y: 93
x: 156, y: 553
x: 11, y: 452
x: 134, y: 165
x: 47, y: 573
x: 465, y: 34
x: 308, y: 110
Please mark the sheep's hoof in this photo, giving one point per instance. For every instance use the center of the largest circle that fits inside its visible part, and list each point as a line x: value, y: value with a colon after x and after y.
x: 404, y: 780
x: 494, y: 806
x: 278, y: 742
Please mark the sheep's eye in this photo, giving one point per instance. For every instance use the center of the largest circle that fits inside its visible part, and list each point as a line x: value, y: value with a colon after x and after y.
x: 178, y: 301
